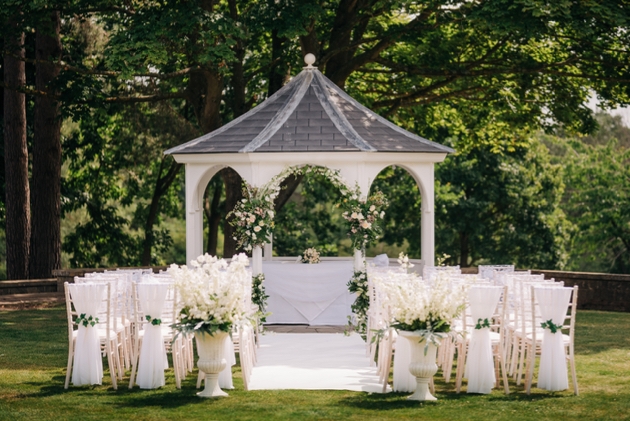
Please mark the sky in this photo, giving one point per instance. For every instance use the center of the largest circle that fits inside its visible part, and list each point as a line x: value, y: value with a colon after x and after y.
x: 624, y: 112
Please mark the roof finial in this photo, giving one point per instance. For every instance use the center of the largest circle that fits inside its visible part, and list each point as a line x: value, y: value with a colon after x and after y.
x: 309, y: 59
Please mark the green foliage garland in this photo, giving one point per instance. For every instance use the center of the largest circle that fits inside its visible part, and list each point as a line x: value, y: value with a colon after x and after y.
x: 549, y: 324
x: 259, y: 298
x: 86, y: 321
x: 481, y: 323
x: 359, y: 284
x: 152, y: 321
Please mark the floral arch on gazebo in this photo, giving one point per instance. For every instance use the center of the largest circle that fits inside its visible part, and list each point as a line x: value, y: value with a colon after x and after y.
x: 309, y: 122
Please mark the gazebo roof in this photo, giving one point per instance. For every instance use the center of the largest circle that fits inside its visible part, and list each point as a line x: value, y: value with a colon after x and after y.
x: 309, y: 114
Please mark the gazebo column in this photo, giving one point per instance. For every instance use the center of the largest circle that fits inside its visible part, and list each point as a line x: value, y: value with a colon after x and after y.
x: 427, y: 235
x: 424, y: 176
x: 197, y: 177
x: 194, y: 216
x: 194, y: 240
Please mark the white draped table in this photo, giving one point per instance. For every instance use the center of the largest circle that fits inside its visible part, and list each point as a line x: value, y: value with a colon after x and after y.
x: 313, y: 294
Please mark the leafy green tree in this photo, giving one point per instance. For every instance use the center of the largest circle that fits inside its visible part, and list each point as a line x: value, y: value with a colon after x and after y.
x: 432, y: 67
x: 311, y: 218
x: 598, y: 202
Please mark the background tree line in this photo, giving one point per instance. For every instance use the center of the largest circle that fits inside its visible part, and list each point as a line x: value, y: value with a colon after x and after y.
x: 95, y: 91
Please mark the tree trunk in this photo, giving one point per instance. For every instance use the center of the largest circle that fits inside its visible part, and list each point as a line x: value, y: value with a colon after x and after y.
x: 18, y: 216
x: 213, y: 215
x: 161, y: 186
x: 280, y: 69
x: 287, y: 187
x: 231, y: 179
x: 464, y: 249
x: 46, y: 177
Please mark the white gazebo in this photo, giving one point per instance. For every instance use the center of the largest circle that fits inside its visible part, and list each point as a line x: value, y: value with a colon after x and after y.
x: 310, y: 121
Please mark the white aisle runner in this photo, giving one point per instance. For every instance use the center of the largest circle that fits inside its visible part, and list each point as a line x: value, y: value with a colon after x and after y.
x: 313, y: 361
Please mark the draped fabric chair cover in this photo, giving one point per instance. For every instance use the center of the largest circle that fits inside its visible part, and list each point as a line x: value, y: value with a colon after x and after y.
x: 153, y: 359
x: 479, y: 365
x: 553, y: 303
x: 88, y: 364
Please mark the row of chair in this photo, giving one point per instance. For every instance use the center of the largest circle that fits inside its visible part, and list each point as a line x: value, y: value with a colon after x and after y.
x: 515, y: 332
x: 122, y: 328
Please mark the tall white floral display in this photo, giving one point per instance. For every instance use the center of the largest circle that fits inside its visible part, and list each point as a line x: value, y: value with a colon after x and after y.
x: 423, y: 315
x: 213, y: 295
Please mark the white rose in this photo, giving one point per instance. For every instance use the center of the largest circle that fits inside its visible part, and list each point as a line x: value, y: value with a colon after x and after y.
x: 354, y: 215
x: 372, y: 208
x: 261, y: 223
x: 257, y: 229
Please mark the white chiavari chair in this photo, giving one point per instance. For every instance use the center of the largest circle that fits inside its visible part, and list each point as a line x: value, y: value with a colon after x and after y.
x: 490, y: 271
x: 95, y: 296
x: 557, y: 304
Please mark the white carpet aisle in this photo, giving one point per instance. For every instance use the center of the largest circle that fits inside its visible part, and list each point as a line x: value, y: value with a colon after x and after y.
x: 313, y: 361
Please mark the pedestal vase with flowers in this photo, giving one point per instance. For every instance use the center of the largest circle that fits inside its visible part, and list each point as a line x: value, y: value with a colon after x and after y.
x: 214, y: 296
x: 423, y: 315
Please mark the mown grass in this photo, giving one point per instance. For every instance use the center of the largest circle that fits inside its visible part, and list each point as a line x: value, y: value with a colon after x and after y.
x: 33, y: 355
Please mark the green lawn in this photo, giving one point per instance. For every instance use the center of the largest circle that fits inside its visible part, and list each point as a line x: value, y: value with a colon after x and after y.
x: 33, y: 355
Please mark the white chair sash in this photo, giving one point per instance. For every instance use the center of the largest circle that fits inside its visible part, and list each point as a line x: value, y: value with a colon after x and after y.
x: 153, y: 359
x: 479, y: 366
x: 88, y: 365
x: 553, y: 303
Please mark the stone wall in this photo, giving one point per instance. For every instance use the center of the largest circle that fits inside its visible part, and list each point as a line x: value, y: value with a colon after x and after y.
x: 597, y: 291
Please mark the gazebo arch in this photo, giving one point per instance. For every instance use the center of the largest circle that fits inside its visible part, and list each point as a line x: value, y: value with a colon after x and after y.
x: 310, y: 121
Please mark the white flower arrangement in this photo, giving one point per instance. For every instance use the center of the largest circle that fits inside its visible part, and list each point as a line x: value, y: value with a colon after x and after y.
x: 403, y: 261
x: 310, y: 256
x: 252, y: 218
x: 415, y: 306
x: 364, y: 216
x: 213, y: 293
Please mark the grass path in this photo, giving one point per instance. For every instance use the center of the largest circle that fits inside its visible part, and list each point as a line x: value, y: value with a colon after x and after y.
x: 33, y: 355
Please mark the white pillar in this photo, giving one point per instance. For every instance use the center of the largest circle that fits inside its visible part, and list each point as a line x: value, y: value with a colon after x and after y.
x: 359, y: 261
x: 194, y: 235
x: 256, y: 260
x: 269, y: 248
x: 427, y: 239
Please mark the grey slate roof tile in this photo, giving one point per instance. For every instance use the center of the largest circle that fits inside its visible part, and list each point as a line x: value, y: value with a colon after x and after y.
x: 308, y: 125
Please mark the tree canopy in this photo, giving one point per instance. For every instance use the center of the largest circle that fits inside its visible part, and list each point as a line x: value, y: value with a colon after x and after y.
x: 134, y: 78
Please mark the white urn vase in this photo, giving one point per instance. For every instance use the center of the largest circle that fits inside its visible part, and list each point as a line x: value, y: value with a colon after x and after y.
x: 211, y: 361
x: 422, y: 365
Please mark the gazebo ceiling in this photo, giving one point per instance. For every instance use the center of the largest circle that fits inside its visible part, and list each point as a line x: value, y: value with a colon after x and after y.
x: 309, y: 114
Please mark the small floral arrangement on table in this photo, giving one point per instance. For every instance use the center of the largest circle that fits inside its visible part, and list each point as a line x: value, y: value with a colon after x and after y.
x: 364, y: 216
x: 252, y: 217
x: 403, y: 261
x: 212, y: 294
x: 310, y: 256
x: 416, y: 307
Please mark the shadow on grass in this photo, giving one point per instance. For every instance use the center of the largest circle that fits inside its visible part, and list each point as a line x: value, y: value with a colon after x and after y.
x: 124, y: 397
x: 394, y: 401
